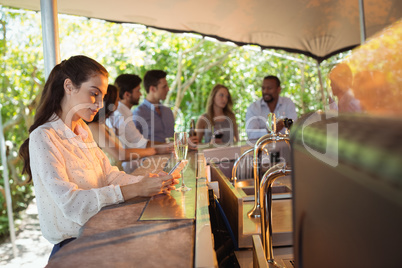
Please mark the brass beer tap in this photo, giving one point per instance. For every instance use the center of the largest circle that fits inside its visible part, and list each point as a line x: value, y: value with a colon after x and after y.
x: 267, y: 180
x: 271, y: 137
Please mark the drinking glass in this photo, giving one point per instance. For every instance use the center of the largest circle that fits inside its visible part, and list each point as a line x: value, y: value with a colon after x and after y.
x: 218, y: 134
x: 181, y: 148
x: 271, y: 123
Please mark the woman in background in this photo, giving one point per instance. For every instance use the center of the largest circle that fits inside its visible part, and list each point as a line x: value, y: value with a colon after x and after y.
x: 107, y: 140
x: 73, y: 178
x: 219, y: 122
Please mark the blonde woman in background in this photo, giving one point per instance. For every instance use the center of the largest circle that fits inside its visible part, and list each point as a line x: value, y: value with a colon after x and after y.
x: 219, y: 122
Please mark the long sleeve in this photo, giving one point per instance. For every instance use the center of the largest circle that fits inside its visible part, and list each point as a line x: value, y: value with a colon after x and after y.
x: 255, y: 122
x: 113, y: 175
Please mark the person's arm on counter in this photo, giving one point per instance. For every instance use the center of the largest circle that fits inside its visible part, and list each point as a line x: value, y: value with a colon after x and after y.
x: 150, y: 185
x: 111, y: 145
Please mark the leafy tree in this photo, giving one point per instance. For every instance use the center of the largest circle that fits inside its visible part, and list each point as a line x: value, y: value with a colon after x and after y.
x: 20, y: 87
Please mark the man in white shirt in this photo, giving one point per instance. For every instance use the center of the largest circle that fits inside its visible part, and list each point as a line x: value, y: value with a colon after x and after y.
x: 270, y: 102
x: 121, y: 121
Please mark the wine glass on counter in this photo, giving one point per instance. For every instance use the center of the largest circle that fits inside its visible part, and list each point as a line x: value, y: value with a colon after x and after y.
x: 216, y: 134
x: 181, y: 148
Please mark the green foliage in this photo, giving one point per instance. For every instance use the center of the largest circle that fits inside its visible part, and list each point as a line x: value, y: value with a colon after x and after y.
x: 21, y: 53
x: 128, y: 48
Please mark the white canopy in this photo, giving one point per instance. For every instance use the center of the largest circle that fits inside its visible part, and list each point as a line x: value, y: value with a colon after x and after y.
x: 317, y: 28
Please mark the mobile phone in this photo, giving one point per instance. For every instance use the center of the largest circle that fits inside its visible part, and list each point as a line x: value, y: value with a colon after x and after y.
x: 175, y: 167
x: 179, y: 166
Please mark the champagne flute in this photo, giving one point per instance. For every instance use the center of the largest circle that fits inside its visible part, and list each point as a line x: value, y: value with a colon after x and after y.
x: 271, y: 123
x: 181, y: 148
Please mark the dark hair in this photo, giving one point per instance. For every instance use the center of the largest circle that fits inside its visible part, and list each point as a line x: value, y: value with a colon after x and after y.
x: 273, y: 77
x: 78, y: 69
x: 126, y: 83
x: 109, y: 101
x: 152, y: 78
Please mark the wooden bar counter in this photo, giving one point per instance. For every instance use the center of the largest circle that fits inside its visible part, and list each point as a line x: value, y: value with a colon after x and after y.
x: 162, y: 231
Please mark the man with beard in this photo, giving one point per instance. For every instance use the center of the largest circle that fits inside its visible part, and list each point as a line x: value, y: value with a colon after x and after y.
x: 154, y: 120
x: 270, y: 102
x: 121, y: 121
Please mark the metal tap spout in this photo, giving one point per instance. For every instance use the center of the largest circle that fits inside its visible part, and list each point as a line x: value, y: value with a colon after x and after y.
x: 264, y: 140
x: 267, y: 180
x: 237, y: 163
x: 271, y: 137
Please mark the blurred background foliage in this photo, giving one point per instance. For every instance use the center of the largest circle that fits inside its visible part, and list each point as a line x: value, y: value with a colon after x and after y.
x: 194, y: 65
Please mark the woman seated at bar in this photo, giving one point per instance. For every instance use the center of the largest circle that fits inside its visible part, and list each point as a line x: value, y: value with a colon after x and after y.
x: 219, y: 122
x: 73, y: 178
x: 125, y: 159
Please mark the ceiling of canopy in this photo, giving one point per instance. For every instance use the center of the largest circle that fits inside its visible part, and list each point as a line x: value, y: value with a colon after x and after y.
x: 317, y: 28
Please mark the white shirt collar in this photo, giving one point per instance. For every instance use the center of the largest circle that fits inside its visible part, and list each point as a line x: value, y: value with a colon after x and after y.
x: 124, y: 110
x: 65, y: 132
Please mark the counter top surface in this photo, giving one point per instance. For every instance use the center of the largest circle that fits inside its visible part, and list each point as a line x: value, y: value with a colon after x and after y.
x: 116, y: 238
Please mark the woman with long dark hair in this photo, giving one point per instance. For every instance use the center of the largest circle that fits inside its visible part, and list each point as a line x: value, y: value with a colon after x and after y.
x: 219, y: 122
x: 124, y: 158
x: 73, y: 178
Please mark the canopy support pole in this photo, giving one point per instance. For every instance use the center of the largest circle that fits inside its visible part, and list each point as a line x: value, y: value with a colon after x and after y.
x: 362, y: 22
x: 7, y: 187
x: 50, y: 34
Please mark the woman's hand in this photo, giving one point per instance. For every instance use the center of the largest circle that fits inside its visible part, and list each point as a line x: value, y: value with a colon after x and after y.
x: 151, y: 185
x: 169, y: 185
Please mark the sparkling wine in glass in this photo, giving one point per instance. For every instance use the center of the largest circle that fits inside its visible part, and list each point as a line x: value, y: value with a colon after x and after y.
x: 271, y: 123
x: 181, y: 148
